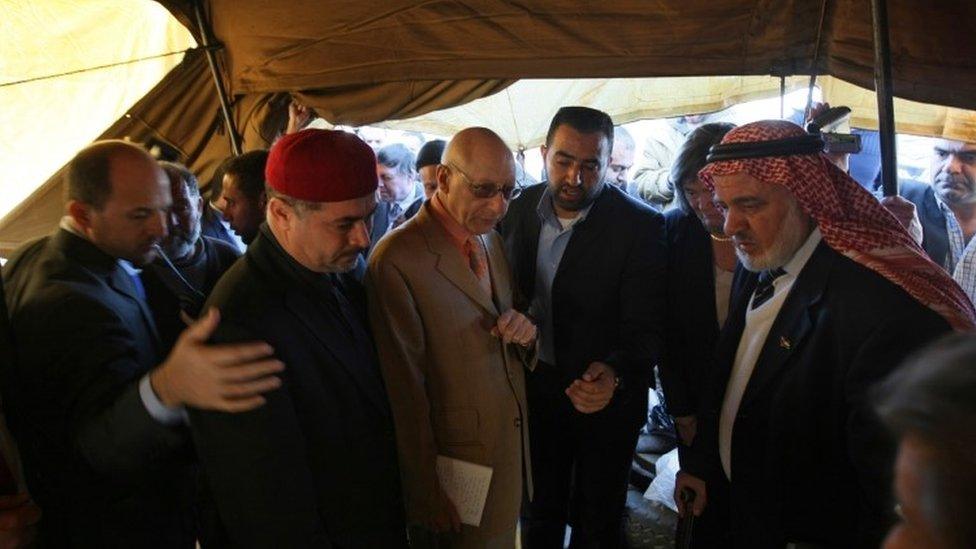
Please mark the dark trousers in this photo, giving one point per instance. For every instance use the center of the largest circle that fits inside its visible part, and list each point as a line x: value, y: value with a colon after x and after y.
x: 580, y: 465
x: 713, y: 528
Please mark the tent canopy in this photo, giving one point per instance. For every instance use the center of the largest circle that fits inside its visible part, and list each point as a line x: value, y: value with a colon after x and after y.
x: 337, y: 47
x: 366, y: 62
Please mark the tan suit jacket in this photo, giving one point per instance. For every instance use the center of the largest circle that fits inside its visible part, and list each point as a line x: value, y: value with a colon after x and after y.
x: 455, y: 389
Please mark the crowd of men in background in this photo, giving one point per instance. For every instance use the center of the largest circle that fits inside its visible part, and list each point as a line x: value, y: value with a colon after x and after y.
x: 396, y: 311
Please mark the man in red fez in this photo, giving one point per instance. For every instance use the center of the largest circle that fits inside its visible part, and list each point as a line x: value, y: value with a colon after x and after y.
x: 835, y: 294
x: 316, y: 466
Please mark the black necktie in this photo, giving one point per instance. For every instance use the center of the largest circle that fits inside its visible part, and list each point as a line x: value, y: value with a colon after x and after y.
x: 764, y: 289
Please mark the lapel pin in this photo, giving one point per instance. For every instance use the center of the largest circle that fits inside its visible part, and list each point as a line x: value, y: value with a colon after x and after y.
x: 785, y: 343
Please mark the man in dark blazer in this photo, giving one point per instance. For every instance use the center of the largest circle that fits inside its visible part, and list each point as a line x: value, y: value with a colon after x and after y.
x: 947, y: 209
x: 935, y: 238
x: 590, y: 261
x: 316, y: 466
x: 788, y: 449
x: 92, y: 400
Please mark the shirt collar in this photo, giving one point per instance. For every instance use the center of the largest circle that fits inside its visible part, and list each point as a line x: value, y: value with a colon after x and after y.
x: 455, y: 231
x: 547, y: 210
x: 802, y: 255
x: 946, y: 210
x: 68, y: 223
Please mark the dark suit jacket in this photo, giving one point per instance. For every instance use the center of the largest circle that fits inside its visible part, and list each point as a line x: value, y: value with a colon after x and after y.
x: 414, y: 206
x: 935, y: 236
x: 316, y: 465
x: 691, y: 325
x: 167, y: 295
x: 103, y: 471
x: 382, y: 221
x: 608, y: 295
x: 810, y: 461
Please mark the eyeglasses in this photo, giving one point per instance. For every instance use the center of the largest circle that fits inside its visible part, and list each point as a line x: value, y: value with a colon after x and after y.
x: 487, y: 190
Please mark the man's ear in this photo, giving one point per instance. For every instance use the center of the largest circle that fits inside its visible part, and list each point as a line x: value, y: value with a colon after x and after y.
x: 442, y: 175
x: 542, y: 150
x: 81, y: 214
x: 279, y: 212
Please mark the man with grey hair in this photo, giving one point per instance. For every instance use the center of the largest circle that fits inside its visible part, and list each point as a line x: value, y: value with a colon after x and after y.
x: 788, y: 449
x: 621, y: 160
x: 397, y: 178
x: 189, y: 264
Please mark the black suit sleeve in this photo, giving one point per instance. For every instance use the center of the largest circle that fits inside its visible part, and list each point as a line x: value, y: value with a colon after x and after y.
x: 642, y: 303
x: 256, y: 466
x: 91, y: 350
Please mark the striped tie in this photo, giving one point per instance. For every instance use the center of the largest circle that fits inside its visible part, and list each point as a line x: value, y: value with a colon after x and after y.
x: 764, y: 289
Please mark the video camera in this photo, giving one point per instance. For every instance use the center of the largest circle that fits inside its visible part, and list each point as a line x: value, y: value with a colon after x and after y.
x: 825, y: 125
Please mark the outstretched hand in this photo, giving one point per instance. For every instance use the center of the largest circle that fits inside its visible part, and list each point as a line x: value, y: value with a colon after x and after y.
x: 226, y: 377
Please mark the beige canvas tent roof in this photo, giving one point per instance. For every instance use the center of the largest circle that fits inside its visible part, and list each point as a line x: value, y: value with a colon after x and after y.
x: 364, y: 62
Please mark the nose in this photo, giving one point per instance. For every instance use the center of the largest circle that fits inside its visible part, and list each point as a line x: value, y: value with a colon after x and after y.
x: 498, y: 204
x: 733, y: 222
x: 359, y: 236
x: 157, y: 224
x: 953, y: 164
x: 705, y: 203
x: 574, y: 175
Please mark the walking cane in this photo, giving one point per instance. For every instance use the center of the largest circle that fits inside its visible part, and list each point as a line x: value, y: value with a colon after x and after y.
x: 686, y: 524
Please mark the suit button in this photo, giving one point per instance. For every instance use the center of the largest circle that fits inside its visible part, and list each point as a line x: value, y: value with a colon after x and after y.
x: 518, y: 423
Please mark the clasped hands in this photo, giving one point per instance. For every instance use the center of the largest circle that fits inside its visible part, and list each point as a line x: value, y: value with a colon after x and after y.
x: 594, y: 389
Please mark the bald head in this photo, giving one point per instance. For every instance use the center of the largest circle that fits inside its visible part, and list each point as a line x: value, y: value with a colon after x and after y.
x: 88, y: 174
x: 479, y: 146
x: 119, y: 198
x: 477, y: 165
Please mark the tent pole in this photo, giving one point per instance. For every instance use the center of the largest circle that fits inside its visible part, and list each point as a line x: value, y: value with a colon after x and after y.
x: 782, y: 96
x: 882, y: 86
x: 225, y: 109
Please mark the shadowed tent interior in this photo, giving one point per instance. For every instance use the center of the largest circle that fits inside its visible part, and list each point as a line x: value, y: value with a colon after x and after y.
x: 440, y: 65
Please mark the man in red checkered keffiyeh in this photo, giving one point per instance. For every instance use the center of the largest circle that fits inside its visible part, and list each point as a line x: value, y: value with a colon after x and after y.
x: 850, y: 219
x: 788, y: 451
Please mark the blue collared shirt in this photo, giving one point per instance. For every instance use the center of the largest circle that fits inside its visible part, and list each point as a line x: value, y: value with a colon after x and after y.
x: 554, y: 235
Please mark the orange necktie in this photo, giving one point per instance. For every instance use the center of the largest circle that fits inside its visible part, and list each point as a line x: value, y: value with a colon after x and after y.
x: 477, y: 259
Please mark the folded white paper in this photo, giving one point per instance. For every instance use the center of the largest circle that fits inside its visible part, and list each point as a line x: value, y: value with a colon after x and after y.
x: 467, y: 485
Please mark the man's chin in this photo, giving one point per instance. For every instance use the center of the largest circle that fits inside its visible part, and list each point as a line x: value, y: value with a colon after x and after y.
x: 345, y: 264
x: 753, y: 263
x: 144, y: 258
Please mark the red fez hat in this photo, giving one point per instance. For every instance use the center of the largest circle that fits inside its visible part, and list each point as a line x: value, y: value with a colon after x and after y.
x: 321, y: 166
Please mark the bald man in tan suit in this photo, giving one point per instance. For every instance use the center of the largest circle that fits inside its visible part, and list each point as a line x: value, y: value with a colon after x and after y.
x: 452, y: 348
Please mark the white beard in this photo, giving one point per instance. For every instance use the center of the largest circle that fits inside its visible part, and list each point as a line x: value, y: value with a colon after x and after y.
x: 793, y: 233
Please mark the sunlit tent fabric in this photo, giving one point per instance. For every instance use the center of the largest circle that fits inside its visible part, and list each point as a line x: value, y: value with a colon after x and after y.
x: 44, y: 121
x: 417, y: 63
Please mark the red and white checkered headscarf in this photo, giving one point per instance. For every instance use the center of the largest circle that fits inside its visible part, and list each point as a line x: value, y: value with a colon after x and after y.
x: 851, y: 220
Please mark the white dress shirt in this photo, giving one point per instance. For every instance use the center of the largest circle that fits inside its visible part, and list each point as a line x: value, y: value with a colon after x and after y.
x: 757, y: 326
